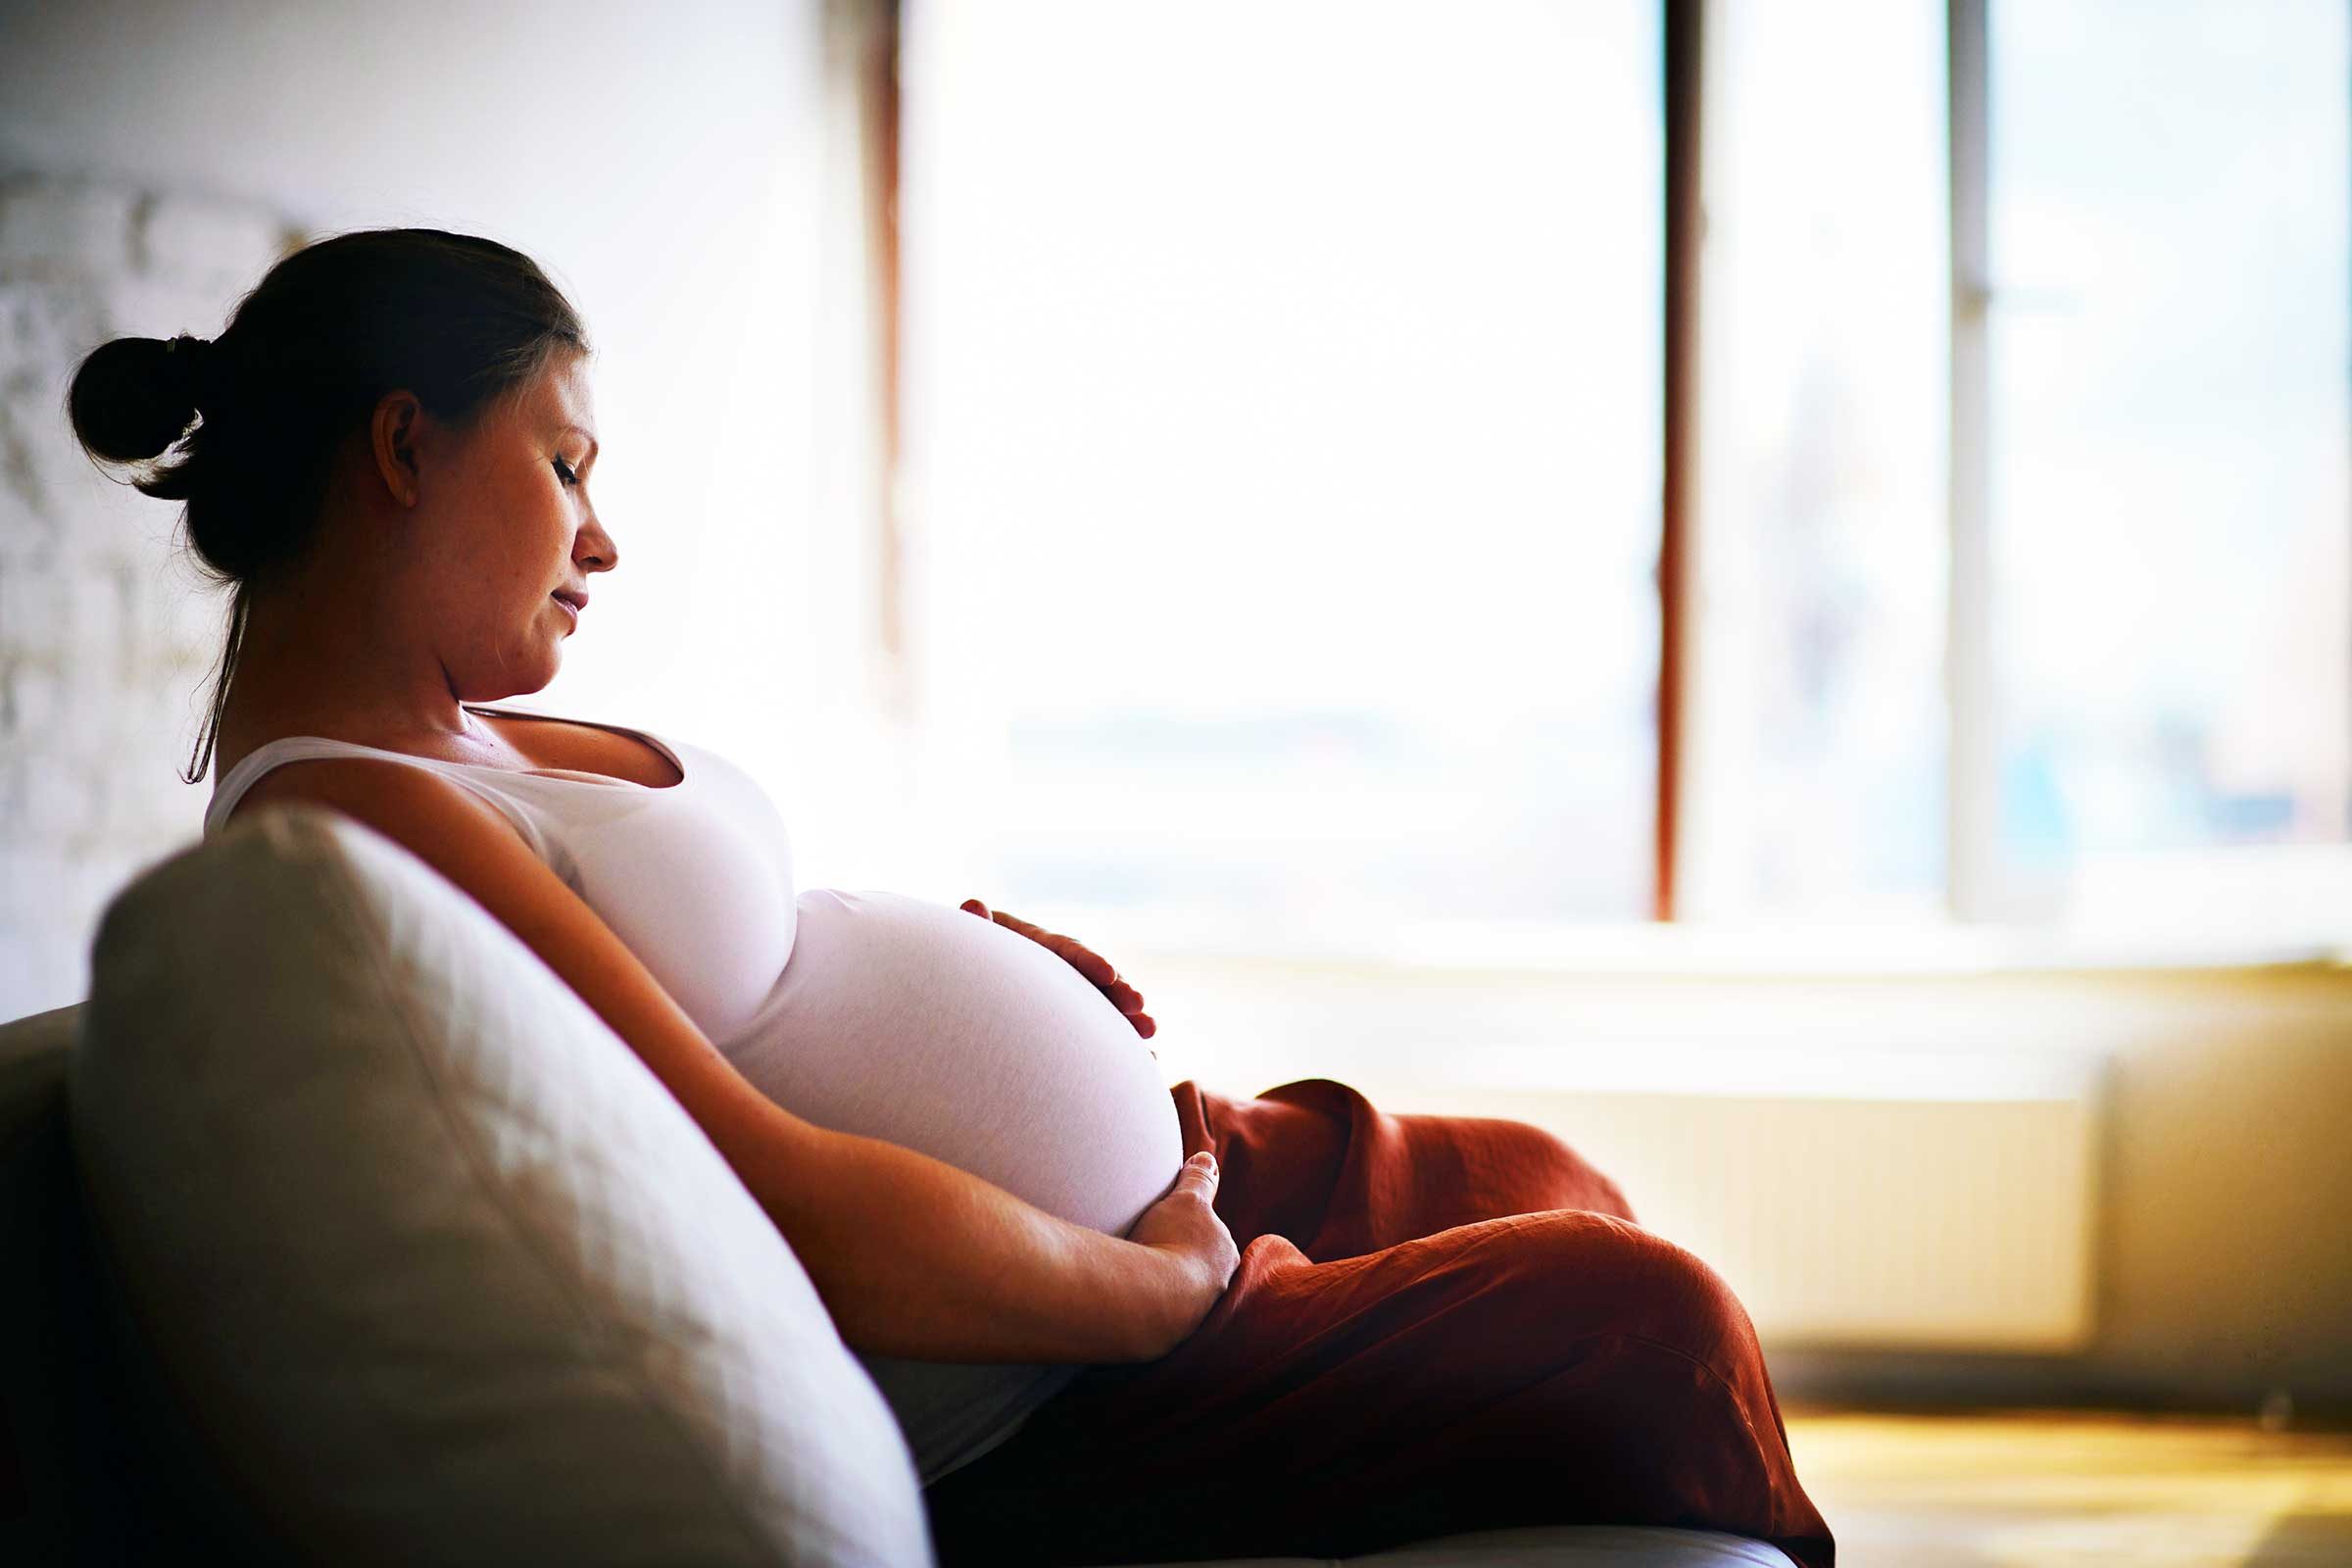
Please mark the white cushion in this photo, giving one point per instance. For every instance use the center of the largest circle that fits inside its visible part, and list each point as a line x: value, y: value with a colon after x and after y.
x: 434, y: 1265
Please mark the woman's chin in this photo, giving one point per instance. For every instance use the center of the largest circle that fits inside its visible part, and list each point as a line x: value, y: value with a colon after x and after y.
x: 524, y: 671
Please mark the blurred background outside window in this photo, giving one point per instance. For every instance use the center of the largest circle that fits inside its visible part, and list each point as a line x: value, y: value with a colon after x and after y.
x: 1816, y: 773
x: 2170, y: 440
x: 1283, y: 390
x: 1284, y: 414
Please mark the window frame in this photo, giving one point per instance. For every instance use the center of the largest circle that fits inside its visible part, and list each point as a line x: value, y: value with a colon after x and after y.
x: 1974, y: 886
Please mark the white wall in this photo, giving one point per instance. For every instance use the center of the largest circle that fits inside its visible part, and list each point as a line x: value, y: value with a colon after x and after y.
x: 668, y: 166
x: 105, y: 631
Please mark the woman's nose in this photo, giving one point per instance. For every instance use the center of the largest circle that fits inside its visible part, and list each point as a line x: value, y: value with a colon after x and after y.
x: 594, y: 549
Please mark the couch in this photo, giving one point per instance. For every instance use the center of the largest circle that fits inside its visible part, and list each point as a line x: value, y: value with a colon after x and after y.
x: 338, y: 1229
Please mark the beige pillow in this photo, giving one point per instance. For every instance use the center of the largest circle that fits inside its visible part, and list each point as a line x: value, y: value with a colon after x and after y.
x: 433, y: 1266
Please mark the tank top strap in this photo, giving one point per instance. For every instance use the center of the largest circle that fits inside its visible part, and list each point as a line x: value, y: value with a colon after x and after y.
x: 305, y: 747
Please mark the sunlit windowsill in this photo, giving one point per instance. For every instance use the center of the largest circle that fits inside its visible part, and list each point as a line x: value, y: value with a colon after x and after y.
x: 1692, y: 951
x: 1960, y: 1014
x: 1951, y: 1013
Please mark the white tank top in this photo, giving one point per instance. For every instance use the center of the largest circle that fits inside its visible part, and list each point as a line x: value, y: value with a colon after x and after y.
x: 868, y: 1012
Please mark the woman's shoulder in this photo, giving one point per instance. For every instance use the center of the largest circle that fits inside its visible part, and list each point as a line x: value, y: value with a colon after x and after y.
x: 362, y: 780
x: 387, y: 791
x: 281, y: 769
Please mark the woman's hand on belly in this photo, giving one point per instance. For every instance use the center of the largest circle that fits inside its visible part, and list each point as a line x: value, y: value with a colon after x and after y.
x: 1184, y: 1225
x: 1088, y: 963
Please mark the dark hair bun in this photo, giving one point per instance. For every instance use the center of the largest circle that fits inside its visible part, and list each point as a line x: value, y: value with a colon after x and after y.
x: 135, y: 396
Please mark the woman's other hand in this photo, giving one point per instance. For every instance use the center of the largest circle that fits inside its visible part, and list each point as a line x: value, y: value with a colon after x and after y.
x: 1184, y: 1227
x: 1084, y: 960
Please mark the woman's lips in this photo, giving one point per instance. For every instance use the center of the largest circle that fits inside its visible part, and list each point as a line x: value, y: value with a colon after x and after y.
x: 570, y: 608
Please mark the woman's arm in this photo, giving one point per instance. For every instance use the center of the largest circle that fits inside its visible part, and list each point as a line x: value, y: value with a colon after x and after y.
x: 913, y: 1256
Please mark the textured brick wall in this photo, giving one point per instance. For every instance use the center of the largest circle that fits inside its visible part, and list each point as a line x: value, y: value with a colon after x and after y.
x: 107, y: 633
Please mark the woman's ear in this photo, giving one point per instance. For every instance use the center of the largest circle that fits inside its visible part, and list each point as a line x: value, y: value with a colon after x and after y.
x: 392, y: 437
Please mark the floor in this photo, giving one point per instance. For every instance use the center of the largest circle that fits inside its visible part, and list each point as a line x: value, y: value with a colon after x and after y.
x: 2057, y: 1488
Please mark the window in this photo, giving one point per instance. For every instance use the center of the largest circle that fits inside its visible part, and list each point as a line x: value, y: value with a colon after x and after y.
x: 1283, y: 389
x: 2169, y: 436
x: 1815, y: 782
x: 1283, y: 439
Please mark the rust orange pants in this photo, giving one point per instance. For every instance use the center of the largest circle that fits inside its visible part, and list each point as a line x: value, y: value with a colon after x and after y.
x: 1440, y: 1323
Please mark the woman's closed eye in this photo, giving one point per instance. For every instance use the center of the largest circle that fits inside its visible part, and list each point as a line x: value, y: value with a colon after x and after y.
x: 566, y: 472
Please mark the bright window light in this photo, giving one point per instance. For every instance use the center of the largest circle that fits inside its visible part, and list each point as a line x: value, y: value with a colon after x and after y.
x: 1282, y: 421
x: 2171, y: 431
x: 1818, y: 739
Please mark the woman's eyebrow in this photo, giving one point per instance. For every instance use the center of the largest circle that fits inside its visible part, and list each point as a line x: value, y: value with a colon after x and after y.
x: 581, y: 429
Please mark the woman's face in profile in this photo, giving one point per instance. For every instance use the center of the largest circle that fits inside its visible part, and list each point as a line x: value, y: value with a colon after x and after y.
x: 511, y: 536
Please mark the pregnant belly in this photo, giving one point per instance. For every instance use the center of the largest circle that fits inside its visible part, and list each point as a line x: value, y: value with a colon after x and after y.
x: 912, y: 1021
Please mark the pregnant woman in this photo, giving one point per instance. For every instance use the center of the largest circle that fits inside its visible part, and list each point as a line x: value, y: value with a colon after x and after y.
x: 1116, y: 1322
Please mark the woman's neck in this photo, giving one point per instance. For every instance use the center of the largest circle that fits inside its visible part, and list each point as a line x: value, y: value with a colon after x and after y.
x: 327, y: 663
